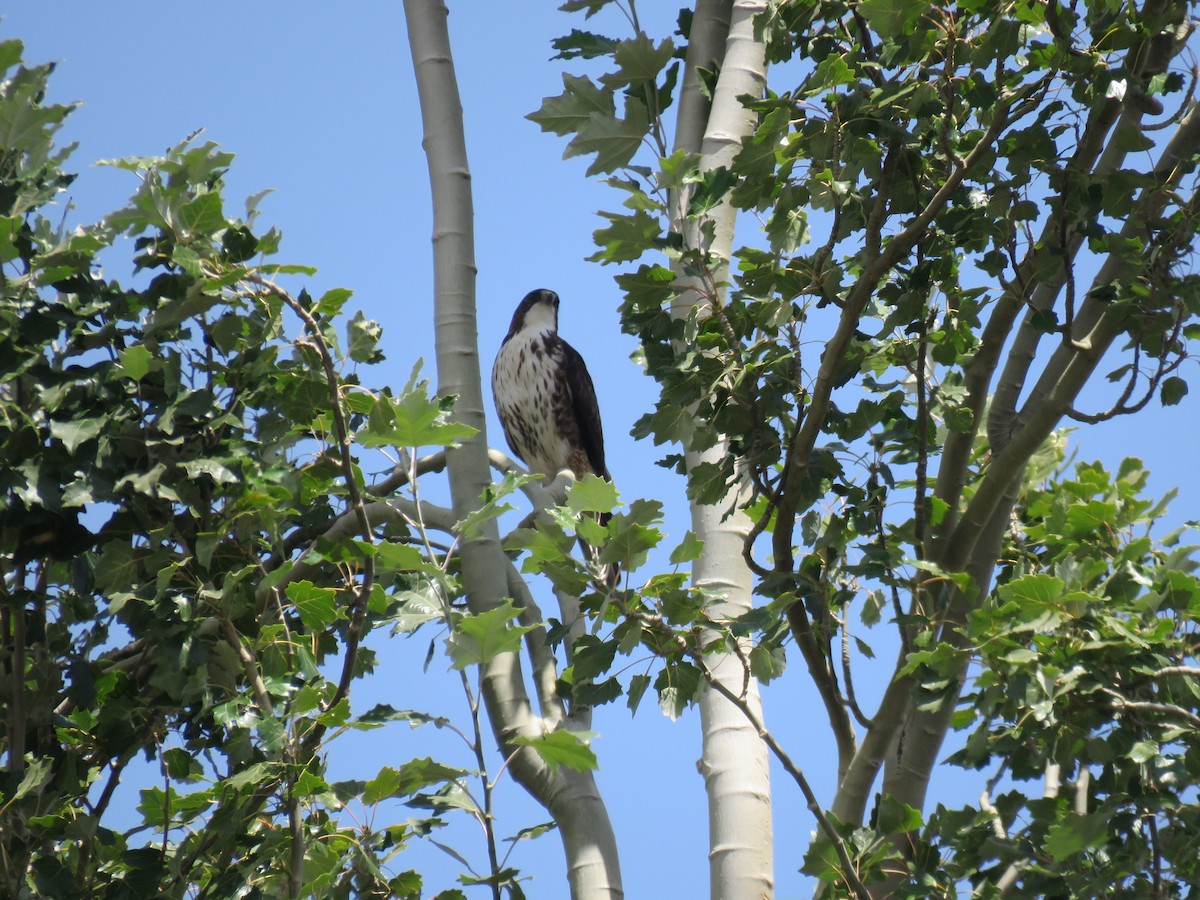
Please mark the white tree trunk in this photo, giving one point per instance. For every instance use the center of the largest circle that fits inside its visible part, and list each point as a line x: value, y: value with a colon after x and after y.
x: 734, y: 758
x: 572, y: 798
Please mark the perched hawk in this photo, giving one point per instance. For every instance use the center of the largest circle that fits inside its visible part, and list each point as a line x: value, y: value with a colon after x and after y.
x: 546, y: 400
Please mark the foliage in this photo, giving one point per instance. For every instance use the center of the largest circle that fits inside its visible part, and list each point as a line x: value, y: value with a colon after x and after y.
x: 191, y: 554
x: 962, y: 210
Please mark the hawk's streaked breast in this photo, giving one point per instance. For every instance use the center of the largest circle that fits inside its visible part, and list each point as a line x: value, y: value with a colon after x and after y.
x: 547, y: 402
x: 544, y: 395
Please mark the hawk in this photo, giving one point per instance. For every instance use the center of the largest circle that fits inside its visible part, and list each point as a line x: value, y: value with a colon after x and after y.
x: 547, y: 402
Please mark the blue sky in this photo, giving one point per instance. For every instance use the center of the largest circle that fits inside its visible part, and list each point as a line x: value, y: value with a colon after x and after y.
x: 321, y: 107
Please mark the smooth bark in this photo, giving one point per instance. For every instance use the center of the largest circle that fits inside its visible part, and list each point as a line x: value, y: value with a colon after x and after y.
x: 572, y: 798
x: 734, y: 759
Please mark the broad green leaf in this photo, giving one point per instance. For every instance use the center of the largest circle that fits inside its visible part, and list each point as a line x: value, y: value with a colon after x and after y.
x: 638, y: 60
x: 614, y: 141
x: 136, y: 361
x: 412, y: 420
x: 1040, y: 589
x: 1074, y: 834
x: 480, y: 638
x: 582, y: 45
x: 362, y: 339
x: 562, y: 748
x: 1172, y: 390
x: 593, y: 656
x: 1144, y: 751
x: 317, y: 606
x: 213, y: 468
x: 37, y: 773
x: 76, y: 432
x: 636, y: 690
x: 491, y: 506
x: 394, y: 556
x: 767, y: 662
x: 416, y: 608
x: 202, y: 215
x: 689, y: 549
x: 1093, y: 517
x: 533, y: 831
x: 627, y: 237
x: 571, y: 110
x: 678, y: 686
x: 411, y: 777
x: 591, y: 494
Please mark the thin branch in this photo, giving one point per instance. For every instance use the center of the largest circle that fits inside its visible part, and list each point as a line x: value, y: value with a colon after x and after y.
x: 1120, y: 703
x: 488, y: 822
x: 357, y: 504
x: 250, y: 667
x: 847, y: 678
x: 697, y: 657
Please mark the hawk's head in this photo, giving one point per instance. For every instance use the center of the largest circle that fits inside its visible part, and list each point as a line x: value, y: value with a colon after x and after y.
x: 539, y: 311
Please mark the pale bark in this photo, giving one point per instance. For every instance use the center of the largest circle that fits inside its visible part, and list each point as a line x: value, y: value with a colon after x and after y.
x: 734, y: 758
x: 971, y: 540
x: 572, y: 798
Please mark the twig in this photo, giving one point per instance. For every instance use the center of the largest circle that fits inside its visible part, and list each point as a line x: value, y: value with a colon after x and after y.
x: 656, y: 623
x: 342, y: 431
x: 847, y: 678
x: 1148, y: 706
x: 481, y: 762
x: 250, y: 666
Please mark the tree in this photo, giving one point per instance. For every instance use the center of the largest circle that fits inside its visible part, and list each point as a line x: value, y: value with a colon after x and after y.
x: 986, y: 236
x: 193, y: 556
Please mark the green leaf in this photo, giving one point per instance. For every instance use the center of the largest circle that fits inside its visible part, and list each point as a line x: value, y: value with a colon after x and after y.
x: 614, y: 141
x: 411, y: 777
x: 893, y: 18
x: 571, y: 110
x: 634, y: 534
x: 689, y: 549
x: 582, y: 45
x: 362, y: 339
x: 77, y: 432
x: 136, y: 361
x: 1040, y: 589
x: 491, y: 506
x: 480, y: 638
x: 412, y: 420
x: 37, y: 773
x: 678, y: 686
x: 591, y: 494
x: 213, y: 468
x: 1172, y: 390
x: 937, y: 510
x: 1093, y: 517
x: 767, y: 662
x: 627, y: 237
x: 562, y: 748
x: 593, y: 657
x: 639, y: 60
x: 317, y: 606
x: 636, y: 690
x: 394, y: 556
x: 1075, y: 833
x: 533, y: 831
x: 202, y: 215
x: 1143, y: 751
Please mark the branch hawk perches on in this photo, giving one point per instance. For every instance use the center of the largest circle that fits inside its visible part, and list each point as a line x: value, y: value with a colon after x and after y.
x: 546, y: 400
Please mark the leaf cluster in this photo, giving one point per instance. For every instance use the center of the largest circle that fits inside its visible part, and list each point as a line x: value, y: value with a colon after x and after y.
x: 191, y: 554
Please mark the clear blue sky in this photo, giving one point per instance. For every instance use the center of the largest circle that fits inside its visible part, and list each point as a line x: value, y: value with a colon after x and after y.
x: 321, y: 107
